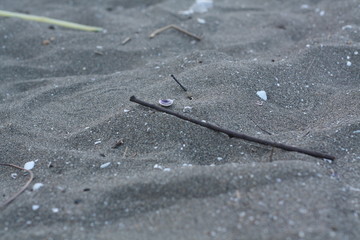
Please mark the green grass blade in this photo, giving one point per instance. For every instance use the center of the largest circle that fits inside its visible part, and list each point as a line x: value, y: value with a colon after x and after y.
x: 50, y: 21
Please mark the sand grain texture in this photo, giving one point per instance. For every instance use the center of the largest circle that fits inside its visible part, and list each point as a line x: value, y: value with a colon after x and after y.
x: 65, y: 104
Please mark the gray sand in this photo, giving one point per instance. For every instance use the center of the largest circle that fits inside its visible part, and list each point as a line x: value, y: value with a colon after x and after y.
x: 65, y: 104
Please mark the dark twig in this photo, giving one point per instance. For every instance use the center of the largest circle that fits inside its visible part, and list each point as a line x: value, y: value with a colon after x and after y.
x: 178, y: 82
x: 118, y: 143
x: 232, y: 134
x: 22, y: 189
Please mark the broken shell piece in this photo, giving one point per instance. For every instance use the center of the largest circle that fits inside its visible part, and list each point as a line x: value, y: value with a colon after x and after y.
x: 262, y: 95
x: 29, y: 165
x: 166, y: 102
x: 187, y: 109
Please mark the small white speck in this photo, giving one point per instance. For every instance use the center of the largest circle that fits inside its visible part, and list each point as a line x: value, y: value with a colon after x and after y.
x: 55, y: 210
x: 346, y: 27
x: 167, y: 169
x: 105, y: 165
x: 187, y: 165
x: 200, y: 20
x: 126, y: 110
x: 356, y: 53
x: 307, y: 45
x: 304, y: 6
x: 37, y: 186
x: 35, y: 207
x: 97, y: 142
x: 29, y: 165
x: 157, y: 166
x: 356, y: 131
x: 322, y: 13
x: 303, y: 210
x: 348, y: 57
x: 99, y: 47
x: 219, y: 158
x: 14, y: 175
x: 348, y: 63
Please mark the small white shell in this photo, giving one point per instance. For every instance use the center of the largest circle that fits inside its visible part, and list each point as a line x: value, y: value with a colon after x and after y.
x: 35, y: 207
x: 37, y: 186
x: 262, y: 95
x: 29, y: 165
x: 105, y: 165
x: 166, y: 102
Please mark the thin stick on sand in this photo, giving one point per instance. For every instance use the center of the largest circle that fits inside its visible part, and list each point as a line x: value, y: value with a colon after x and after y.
x: 232, y: 134
x: 22, y: 189
x: 50, y: 21
x: 156, y: 32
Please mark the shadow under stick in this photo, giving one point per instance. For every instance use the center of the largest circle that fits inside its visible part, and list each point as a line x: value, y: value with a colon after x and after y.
x: 232, y: 134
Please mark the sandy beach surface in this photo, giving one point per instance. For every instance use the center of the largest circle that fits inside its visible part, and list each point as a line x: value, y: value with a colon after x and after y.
x: 64, y: 104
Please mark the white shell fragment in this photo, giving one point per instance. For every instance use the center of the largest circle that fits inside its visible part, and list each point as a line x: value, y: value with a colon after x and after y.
x: 29, y: 165
x: 55, y: 210
x: 201, y: 20
x: 262, y: 95
x: 157, y: 166
x: 187, y: 109
x: 166, y: 102
x: 37, y: 186
x: 35, y: 207
x: 105, y: 165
